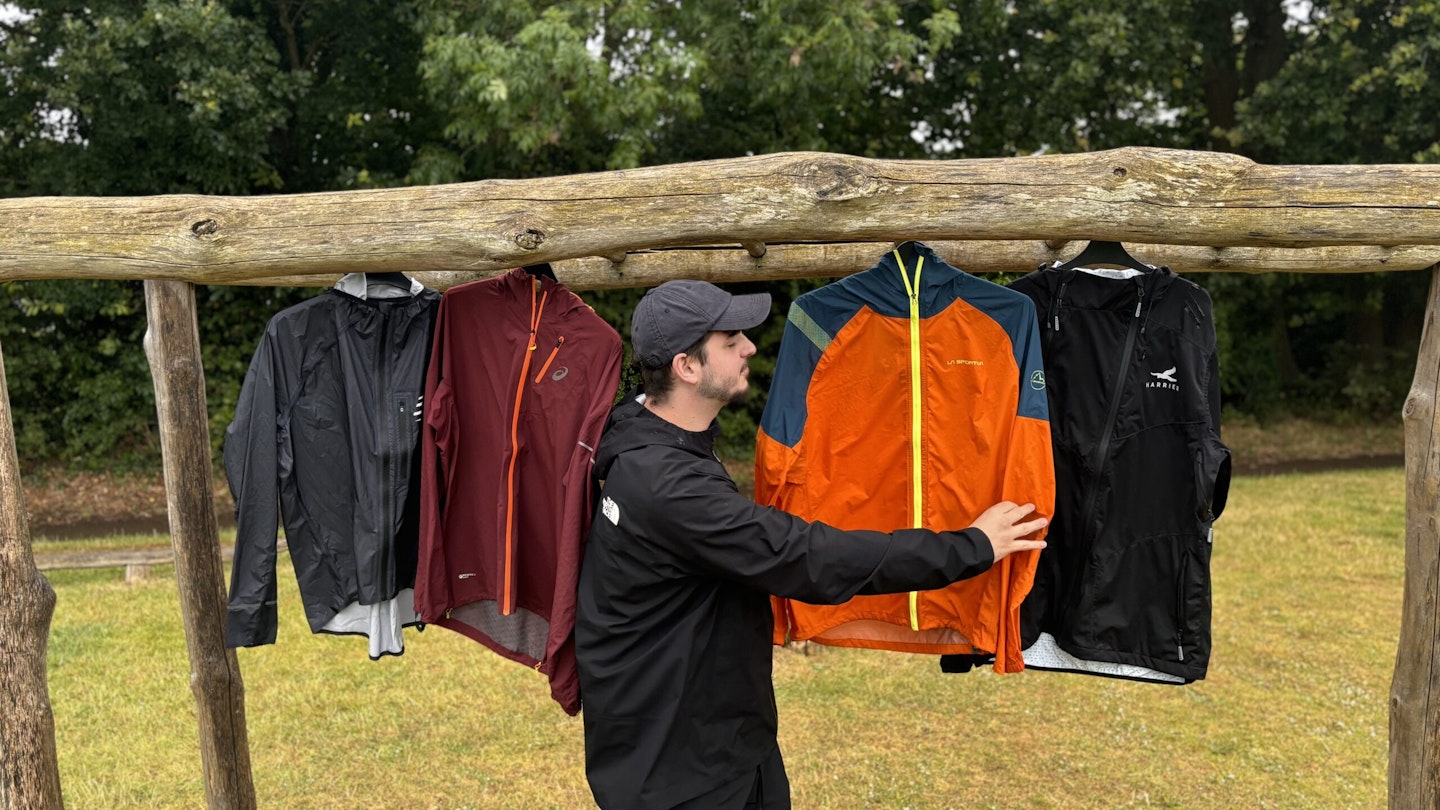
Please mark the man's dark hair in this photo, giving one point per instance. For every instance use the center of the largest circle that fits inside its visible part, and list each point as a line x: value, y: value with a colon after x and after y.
x: 659, y: 381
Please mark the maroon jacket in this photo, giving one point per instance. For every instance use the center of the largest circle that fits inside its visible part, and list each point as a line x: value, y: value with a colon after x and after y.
x: 522, y: 375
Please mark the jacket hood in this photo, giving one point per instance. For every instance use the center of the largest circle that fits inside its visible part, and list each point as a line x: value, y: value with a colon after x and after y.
x: 632, y: 426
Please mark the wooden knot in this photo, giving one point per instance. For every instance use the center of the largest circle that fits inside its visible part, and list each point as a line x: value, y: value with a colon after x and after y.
x: 530, y: 238
x: 205, y: 227
x: 1119, y: 172
x: 836, y: 180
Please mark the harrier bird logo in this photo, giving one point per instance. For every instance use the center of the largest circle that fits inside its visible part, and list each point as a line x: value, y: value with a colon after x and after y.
x: 1168, y: 375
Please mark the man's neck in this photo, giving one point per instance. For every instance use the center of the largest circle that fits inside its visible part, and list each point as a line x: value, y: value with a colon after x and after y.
x: 685, y: 410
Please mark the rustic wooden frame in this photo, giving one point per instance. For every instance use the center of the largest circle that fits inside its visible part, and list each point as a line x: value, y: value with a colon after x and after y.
x: 775, y: 216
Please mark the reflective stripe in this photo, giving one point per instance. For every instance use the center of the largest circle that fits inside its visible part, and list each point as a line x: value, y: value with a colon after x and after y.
x: 917, y: 502
x: 801, y: 320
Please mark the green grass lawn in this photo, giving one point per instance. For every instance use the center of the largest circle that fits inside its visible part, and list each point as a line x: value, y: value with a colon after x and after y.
x: 1308, y: 577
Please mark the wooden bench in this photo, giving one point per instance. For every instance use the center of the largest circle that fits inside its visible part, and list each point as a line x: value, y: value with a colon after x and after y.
x: 137, y: 562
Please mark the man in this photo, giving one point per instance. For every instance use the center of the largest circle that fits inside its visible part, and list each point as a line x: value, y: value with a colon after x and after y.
x: 673, y: 625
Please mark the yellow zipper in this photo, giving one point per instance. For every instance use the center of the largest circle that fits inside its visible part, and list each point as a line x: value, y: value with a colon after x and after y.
x: 914, y: 293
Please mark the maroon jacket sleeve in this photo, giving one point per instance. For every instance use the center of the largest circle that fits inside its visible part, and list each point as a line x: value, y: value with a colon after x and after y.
x: 581, y: 491
x: 437, y: 442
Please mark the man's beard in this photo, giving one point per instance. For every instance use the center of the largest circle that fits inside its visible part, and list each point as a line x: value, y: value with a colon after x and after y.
x: 713, y: 389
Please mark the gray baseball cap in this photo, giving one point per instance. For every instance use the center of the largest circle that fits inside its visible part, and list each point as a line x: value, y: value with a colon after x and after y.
x: 674, y: 316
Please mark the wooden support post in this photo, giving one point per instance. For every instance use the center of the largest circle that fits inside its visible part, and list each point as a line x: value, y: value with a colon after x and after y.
x: 1415, y: 689
x: 172, y: 344
x: 29, y: 769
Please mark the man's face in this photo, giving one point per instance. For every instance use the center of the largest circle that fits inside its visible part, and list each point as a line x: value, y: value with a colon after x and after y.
x: 724, y: 377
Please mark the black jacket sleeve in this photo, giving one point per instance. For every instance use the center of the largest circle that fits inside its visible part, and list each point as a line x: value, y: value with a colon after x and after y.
x: 707, y: 522
x: 251, y: 467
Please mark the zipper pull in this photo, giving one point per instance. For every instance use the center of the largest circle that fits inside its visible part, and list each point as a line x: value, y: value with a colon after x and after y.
x: 558, y: 343
x: 1181, y: 649
x: 1060, y: 303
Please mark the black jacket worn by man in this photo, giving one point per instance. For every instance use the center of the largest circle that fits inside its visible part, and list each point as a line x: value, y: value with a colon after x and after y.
x: 1141, y: 474
x: 327, y: 429
x: 673, y: 631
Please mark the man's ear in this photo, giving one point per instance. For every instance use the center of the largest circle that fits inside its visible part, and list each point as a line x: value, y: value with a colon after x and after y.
x: 685, y: 368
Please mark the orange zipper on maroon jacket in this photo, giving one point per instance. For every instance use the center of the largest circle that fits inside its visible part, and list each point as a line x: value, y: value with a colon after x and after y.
x: 507, y: 601
x: 551, y: 358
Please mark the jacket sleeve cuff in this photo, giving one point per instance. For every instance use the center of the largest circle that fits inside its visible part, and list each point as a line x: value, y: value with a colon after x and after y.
x: 250, y: 625
x: 977, y: 552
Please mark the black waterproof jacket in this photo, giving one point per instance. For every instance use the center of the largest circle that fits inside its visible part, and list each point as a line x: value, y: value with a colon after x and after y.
x: 328, y: 424
x: 1140, y: 471
x: 673, y: 627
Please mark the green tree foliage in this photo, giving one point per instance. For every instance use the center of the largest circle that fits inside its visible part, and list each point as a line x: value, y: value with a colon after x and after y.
x: 1358, y: 86
x: 287, y: 96
x: 175, y: 96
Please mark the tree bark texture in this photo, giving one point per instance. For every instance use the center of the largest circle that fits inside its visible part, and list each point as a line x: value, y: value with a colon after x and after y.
x: 29, y: 769
x: 1415, y: 689
x: 1134, y: 194
x: 812, y: 260
x: 172, y: 344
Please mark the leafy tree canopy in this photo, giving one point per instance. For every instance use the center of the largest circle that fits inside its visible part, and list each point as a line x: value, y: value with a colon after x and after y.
x: 287, y: 96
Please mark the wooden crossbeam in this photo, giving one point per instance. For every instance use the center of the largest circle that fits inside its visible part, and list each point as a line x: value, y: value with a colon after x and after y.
x: 722, y: 264
x: 1133, y: 195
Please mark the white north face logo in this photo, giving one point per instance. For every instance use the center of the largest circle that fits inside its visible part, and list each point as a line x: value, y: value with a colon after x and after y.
x: 611, y: 510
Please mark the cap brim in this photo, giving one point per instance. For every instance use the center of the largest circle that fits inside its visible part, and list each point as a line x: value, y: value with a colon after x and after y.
x: 744, y: 312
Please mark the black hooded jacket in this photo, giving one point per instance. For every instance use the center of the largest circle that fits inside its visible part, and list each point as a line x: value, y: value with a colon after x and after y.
x: 326, y: 431
x: 673, y: 631
x: 1140, y: 471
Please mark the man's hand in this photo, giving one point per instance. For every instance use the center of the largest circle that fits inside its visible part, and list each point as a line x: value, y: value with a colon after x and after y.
x: 1001, y: 523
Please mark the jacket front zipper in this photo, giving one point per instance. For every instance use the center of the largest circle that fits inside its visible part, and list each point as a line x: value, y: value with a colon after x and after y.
x: 916, y: 490
x: 537, y: 307
x: 1121, y: 375
x: 390, y: 443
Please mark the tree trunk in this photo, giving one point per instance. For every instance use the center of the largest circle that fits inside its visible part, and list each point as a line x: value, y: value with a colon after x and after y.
x: 172, y: 344
x: 29, y: 770
x: 1415, y: 690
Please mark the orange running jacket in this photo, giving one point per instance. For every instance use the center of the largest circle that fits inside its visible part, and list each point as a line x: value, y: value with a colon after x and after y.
x: 910, y: 395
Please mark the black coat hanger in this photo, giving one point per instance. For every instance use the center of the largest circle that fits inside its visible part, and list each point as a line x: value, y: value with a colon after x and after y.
x: 396, y: 280
x: 1112, y: 253
x: 908, y: 250
x: 543, y: 270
